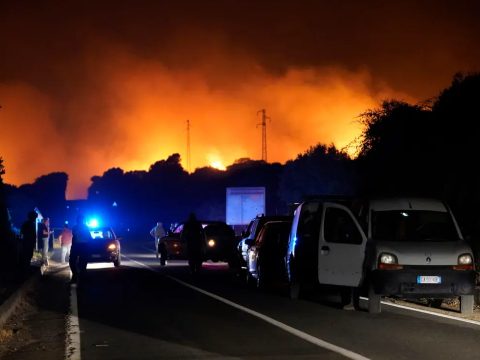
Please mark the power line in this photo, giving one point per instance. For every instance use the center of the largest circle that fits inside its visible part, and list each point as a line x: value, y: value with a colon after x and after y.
x: 188, y: 147
x: 264, y: 133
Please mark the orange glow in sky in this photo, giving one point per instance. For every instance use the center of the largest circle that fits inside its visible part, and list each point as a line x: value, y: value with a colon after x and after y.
x: 134, y: 111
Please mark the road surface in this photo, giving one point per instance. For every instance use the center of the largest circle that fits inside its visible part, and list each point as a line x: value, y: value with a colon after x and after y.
x: 143, y: 311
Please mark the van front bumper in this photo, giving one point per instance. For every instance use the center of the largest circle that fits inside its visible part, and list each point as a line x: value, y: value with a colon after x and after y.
x: 405, y: 282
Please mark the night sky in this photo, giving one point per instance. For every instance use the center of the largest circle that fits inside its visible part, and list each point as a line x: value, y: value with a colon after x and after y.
x: 89, y: 85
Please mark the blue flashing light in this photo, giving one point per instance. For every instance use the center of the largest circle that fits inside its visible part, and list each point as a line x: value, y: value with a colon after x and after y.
x: 93, y: 223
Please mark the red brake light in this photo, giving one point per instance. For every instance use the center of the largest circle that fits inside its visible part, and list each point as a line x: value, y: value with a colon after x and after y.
x: 465, y: 267
x: 383, y: 266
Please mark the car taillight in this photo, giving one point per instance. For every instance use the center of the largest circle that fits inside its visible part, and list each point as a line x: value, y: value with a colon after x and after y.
x: 112, y: 247
x: 388, y: 261
x: 465, y: 262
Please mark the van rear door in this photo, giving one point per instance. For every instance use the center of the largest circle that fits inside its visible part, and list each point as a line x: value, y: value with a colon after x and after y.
x: 341, y: 251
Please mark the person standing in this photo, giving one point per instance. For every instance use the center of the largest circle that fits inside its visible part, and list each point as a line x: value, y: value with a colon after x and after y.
x: 194, y: 237
x: 44, y: 235
x: 28, y: 235
x: 66, y: 243
x: 157, y: 233
x: 81, y: 237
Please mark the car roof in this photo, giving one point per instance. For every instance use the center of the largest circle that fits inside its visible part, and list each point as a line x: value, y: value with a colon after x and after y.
x: 274, y: 218
x: 278, y: 224
x: 391, y: 204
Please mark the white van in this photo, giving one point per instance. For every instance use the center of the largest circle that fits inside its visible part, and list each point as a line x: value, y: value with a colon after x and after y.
x: 326, y: 247
x: 416, y: 250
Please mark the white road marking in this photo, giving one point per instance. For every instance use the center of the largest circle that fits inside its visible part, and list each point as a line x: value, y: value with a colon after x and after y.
x: 474, y: 322
x: 72, y: 348
x: 307, y: 337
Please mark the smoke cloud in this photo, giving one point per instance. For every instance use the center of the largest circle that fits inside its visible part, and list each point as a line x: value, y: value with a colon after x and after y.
x: 85, y: 87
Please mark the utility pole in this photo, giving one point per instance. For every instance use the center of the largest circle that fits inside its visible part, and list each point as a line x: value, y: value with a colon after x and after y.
x: 188, y: 147
x: 264, y: 133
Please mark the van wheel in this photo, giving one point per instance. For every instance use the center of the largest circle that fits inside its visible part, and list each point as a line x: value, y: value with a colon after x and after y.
x: 466, y: 304
x: 436, y: 303
x: 374, y: 301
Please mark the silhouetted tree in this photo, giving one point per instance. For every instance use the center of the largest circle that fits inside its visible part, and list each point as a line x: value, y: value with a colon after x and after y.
x: 415, y: 150
x: 7, y: 246
x: 321, y: 170
x: 457, y: 113
x: 398, y: 150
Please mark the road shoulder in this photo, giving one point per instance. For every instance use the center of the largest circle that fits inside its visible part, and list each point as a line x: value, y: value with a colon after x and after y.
x: 37, y: 327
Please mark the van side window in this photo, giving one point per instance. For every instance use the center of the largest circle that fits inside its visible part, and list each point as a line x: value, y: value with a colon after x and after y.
x: 339, y: 227
x: 309, y: 221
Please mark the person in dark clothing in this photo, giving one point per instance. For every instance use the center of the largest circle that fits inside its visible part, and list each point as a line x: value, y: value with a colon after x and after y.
x: 28, y: 235
x: 194, y: 237
x: 81, y: 237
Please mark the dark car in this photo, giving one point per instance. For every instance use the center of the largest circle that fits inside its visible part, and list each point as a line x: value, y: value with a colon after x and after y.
x: 266, y: 257
x: 104, y: 246
x: 219, y: 242
x: 250, y: 234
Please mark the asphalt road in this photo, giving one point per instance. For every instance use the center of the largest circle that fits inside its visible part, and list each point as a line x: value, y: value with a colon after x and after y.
x: 143, y: 311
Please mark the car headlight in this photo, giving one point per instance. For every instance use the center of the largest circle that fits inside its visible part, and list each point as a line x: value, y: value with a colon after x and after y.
x: 112, y: 247
x: 211, y: 243
x: 465, y: 259
x: 387, y: 261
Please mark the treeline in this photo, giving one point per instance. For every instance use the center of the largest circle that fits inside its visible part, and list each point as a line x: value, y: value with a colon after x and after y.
x: 419, y: 150
x: 167, y: 193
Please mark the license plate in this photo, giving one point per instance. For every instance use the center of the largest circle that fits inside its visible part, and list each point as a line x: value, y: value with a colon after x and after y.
x: 429, y: 279
x: 96, y: 256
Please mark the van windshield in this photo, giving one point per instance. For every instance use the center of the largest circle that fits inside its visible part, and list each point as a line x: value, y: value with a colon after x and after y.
x: 409, y: 225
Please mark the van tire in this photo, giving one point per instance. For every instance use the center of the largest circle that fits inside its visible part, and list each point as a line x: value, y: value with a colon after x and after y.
x: 466, y: 304
x: 374, y: 301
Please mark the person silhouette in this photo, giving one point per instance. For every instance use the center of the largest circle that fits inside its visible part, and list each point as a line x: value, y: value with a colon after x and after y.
x: 28, y: 236
x: 193, y: 235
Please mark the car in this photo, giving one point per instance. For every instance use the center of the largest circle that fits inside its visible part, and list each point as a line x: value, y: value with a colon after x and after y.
x: 250, y: 234
x: 104, y: 246
x: 265, y: 259
x: 416, y: 250
x: 219, y: 242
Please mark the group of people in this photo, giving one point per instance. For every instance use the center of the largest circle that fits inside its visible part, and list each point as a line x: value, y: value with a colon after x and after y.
x: 192, y: 235
x: 33, y: 235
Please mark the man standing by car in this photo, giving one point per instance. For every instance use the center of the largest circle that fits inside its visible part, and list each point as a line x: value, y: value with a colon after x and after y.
x: 194, y: 237
x: 157, y: 233
x: 28, y: 235
x: 80, y: 239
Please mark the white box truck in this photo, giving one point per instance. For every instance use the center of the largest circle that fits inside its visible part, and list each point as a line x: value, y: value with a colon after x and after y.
x: 244, y: 204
